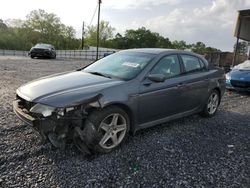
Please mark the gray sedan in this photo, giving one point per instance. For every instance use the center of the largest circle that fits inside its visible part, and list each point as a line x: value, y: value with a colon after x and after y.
x: 97, y: 106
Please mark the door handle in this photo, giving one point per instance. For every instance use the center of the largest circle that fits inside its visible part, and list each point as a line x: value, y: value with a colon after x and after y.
x: 147, y: 83
x: 180, y: 85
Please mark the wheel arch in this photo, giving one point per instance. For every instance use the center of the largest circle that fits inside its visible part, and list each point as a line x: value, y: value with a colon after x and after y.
x: 127, y: 110
x: 219, y: 91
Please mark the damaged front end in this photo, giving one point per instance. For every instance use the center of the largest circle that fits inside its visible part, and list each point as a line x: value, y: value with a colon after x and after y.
x: 59, y: 125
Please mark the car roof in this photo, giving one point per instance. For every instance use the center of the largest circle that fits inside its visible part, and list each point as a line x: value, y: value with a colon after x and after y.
x: 160, y: 50
x: 157, y: 51
x: 150, y: 50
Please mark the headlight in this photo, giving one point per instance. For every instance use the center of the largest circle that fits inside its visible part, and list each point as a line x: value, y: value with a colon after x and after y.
x: 42, y: 109
x: 228, y: 77
x: 62, y: 111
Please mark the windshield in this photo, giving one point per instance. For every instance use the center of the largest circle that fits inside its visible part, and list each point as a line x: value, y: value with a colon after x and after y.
x: 243, y: 66
x: 122, y: 65
x: 42, y: 46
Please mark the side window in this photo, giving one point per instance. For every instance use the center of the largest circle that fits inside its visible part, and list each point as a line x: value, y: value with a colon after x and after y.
x: 203, y: 67
x: 169, y: 66
x: 191, y: 63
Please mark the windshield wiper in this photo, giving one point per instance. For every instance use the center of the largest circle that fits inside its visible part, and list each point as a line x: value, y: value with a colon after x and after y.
x: 100, y: 74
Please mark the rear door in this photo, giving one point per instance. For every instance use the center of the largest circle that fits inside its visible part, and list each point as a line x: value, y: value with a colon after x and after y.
x: 196, y: 81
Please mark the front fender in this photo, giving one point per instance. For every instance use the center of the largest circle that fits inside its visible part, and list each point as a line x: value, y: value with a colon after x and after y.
x: 62, y: 101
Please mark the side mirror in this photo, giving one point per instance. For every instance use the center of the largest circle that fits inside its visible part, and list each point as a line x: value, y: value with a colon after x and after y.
x: 157, y: 77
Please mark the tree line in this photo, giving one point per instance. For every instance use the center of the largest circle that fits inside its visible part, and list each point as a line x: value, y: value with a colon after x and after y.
x: 42, y: 27
x: 39, y: 27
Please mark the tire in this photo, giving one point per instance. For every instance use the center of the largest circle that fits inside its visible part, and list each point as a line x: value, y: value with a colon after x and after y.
x: 212, y: 104
x: 32, y: 57
x: 52, y: 56
x: 112, y: 125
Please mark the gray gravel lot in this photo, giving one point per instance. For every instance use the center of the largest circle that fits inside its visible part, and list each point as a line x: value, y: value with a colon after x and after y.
x: 190, y: 152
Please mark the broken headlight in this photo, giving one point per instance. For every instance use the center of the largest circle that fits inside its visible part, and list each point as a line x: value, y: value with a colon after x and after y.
x: 43, y: 109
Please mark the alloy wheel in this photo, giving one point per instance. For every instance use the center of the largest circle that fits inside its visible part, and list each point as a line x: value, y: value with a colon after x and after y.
x: 113, y: 128
x: 213, y: 103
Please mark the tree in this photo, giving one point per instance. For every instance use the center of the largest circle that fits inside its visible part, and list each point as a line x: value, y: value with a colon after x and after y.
x: 43, y: 22
x: 119, y: 42
x: 242, y: 47
x: 15, y: 23
x: 199, y: 48
x: 44, y: 27
x: 47, y: 28
x: 212, y: 50
x: 181, y: 45
x: 106, y: 33
x: 2, y: 25
x: 141, y: 38
x: 163, y: 42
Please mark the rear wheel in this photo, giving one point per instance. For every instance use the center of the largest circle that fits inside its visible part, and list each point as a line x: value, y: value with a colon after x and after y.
x: 212, y: 104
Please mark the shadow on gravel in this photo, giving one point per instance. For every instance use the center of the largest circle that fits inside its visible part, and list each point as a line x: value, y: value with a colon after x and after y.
x: 244, y: 93
x: 189, y: 152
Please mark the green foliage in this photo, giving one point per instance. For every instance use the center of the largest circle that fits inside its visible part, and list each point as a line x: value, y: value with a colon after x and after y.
x: 199, y: 48
x: 180, y: 45
x: 242, y: 47
x: 47, y: 28
x: 140, y: 38
x: 43, y: 27
x: 39, y: 27
x: 106, y: 32
x: 2, y: 25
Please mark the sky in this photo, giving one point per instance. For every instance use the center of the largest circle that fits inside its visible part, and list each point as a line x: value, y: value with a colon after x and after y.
x: 209, y: 21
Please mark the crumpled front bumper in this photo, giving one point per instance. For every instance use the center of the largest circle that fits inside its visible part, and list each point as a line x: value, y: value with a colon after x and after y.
x: 58, y: 130
x: 39, y: 125
x: 22, y: 115
x: 28, y: 119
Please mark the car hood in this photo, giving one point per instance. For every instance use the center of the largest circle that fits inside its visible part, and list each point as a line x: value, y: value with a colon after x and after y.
x: 65, y: 89
x: 240, y: 75
x: 40, y: 48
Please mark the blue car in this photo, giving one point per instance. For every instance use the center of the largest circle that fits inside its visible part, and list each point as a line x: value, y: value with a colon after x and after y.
x: 239, y: 77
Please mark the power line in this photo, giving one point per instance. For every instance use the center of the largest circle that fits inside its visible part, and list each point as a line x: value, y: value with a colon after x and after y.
x: 93, y: 15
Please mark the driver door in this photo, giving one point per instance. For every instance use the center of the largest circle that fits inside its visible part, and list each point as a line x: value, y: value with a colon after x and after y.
x: 158, y: 100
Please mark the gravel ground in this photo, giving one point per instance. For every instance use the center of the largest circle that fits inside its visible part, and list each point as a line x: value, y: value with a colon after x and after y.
x: 190, y: 152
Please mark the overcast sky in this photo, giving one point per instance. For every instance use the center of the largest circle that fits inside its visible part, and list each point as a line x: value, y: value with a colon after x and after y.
x: 209, y: 21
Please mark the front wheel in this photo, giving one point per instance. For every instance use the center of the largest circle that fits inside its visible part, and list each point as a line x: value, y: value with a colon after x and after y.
x: 112, y: 125
x: 212, y: 104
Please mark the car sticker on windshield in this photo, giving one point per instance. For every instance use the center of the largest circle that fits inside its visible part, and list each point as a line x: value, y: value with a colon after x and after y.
x: 134, y: 65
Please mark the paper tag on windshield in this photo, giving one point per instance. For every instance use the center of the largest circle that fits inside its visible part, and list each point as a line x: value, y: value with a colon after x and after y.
x: 134, y: 65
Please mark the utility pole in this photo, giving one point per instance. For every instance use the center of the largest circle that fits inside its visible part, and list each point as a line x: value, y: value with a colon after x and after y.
x: 82, y: 35
x: 98, y: 29
x: 248, y: 51
x: 237, y: 43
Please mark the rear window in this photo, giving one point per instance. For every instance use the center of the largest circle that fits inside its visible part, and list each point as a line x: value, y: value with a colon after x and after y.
x: 192, y: 63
